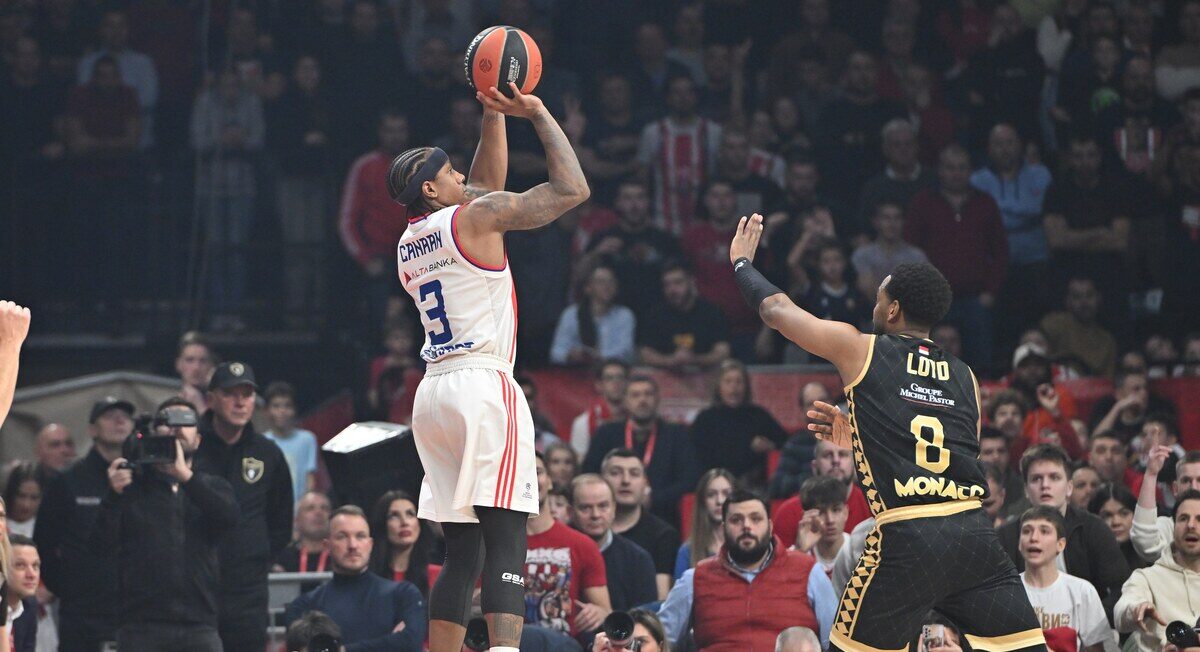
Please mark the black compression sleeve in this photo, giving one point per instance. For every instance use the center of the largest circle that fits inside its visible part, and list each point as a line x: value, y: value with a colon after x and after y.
x: 754, y: 286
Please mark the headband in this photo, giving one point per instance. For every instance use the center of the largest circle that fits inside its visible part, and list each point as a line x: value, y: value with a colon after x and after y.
x: 428, y: 170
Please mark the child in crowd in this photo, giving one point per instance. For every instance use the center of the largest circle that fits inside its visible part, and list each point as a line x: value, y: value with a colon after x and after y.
x: 823, y: 526
x: 1069, y: 607
x: 299, y: 446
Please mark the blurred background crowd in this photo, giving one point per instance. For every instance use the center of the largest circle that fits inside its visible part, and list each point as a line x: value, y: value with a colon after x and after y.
x: 217, y: 166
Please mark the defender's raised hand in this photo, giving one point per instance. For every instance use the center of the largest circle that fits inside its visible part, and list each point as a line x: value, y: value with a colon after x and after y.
x: 745, y: 241
x: 827, y: 422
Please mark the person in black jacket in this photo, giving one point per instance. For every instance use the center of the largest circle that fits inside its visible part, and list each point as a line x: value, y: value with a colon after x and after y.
x: 734, y: 433
x: 22, y: 586
x: 163, y: 523
x: 254, y: 465
x: 83, y: 578
x: 665, y: 448
x: 1092, y: 552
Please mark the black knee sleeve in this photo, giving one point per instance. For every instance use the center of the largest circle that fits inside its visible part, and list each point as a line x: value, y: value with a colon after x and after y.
x: 504, y: 538
x: 450, y: 597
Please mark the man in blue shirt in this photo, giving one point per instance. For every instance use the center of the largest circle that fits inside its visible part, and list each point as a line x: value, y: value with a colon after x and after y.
x: 1018, y: 188
x: 373, y: 613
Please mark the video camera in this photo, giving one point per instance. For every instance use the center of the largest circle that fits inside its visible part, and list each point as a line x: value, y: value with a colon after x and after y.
x: 149, y: 446
x: 1183, y: 635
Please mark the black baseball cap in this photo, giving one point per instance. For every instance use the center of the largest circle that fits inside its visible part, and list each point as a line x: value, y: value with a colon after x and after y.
x: 232, y: 374
x: 110, y: 403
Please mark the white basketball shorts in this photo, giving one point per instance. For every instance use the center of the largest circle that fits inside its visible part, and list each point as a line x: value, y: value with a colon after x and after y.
x: 475, y: 435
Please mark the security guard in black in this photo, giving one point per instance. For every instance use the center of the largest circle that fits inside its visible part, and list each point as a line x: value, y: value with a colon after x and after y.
x: 262, y: 484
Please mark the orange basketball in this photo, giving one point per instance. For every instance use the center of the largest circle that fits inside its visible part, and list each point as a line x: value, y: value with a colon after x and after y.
x: 499, y: 55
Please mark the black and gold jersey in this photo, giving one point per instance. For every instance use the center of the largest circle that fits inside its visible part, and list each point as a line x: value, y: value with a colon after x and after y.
x: 915, y: 413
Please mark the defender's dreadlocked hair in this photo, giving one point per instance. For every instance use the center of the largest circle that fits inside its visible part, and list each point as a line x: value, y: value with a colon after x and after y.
x: 401, y: 172
x: 923, y: 293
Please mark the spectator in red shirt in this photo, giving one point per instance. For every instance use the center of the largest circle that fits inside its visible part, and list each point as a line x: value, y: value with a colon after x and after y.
x: 386, y: 386
x: 1051, y: 420
x: 370, y: 223
x: 832, y: 461
x: 706, y: 245
x: 566, y: 584
x: 961, y: 231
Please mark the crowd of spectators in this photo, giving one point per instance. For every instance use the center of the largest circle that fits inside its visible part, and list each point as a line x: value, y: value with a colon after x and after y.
x: 1044, y: 155
x: 686, y: 526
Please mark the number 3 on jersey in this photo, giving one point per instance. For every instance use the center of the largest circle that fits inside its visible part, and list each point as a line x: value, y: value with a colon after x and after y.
x: 941, y: 461
x: 438, y: 312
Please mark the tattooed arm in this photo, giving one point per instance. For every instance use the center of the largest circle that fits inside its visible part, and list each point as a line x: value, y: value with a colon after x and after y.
x: 489, y: 168
x: 498, y: 212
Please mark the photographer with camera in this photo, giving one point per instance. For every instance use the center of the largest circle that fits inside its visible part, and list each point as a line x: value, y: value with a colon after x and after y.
x: 314, y: 632
x: 637, y: 631
x: 162, y: 520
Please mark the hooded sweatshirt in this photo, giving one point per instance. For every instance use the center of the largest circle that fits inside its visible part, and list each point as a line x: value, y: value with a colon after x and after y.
x: 1174, y: 591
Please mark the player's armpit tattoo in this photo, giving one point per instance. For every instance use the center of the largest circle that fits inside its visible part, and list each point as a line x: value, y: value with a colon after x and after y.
x: 474, y: 192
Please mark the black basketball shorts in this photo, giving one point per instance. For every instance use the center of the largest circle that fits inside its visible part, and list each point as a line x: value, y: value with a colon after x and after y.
x: 939, y: 557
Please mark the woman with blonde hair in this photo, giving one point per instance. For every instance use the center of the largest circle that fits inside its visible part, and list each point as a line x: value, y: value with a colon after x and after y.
x: 8, y: 612
x: 707, y: 535
x: 734, y: 433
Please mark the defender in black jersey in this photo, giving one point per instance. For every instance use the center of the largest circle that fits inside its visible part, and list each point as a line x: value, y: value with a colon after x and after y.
x: 914, y: 428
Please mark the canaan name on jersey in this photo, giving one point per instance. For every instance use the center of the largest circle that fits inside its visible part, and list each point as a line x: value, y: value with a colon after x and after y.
x: 420, y: 246
x: 922, y: 485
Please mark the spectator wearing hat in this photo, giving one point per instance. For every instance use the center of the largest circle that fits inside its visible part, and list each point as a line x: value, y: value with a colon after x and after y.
x: 254, y: 465
x: 83, y: 577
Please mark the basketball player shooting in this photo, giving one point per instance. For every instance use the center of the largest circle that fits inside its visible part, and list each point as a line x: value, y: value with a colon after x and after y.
x: 914, y: 429
x: 472, y: 428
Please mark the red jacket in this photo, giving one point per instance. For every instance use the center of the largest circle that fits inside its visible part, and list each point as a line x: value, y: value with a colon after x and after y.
x: 970, y: 247
x: 370, y: 223
x: 730, y: 614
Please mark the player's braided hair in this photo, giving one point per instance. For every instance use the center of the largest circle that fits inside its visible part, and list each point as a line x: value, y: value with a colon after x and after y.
x: 401, y: 172
x: 923, y: 293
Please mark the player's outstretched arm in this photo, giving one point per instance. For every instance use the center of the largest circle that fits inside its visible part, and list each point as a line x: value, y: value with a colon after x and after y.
x: 837, y: 342
x: 497, y: 212
x: 14, y: 327
x: 489, y: 168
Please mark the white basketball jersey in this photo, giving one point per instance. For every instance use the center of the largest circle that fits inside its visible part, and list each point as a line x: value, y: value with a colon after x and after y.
x: 466, y: 307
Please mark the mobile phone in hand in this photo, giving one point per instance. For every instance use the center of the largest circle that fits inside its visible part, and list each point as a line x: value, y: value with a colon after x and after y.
x: 932, y: 636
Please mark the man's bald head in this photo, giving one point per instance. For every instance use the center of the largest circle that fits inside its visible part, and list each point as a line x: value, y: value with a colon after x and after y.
x: 797, y: 639
x: 54, y: 447
x: 811, y: 393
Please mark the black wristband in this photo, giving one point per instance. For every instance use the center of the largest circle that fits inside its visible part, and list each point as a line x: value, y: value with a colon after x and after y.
x: 754, y: 286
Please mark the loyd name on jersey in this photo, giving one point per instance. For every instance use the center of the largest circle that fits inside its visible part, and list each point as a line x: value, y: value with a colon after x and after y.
x: 923, y: 366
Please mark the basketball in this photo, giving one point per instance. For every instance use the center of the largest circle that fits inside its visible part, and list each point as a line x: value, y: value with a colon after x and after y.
x: 499, y: 55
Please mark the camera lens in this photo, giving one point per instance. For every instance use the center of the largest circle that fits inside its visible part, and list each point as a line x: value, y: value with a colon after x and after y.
x: 619, y: 627
x: 1181, y: 635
